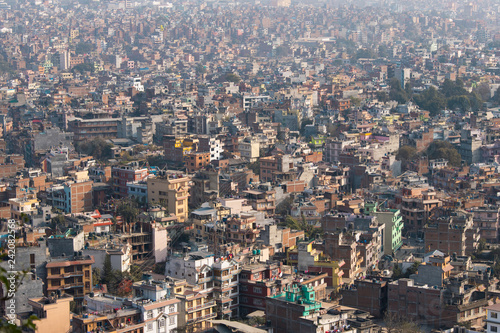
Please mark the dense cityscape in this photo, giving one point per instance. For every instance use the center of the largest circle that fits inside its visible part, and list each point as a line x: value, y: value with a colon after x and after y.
x: 256, y: 166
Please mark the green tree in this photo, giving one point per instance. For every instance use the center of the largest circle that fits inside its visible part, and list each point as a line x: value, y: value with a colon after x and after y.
x: 231, y: 77
x: 406, y: 153
x: 283, y: 208
x: 431, y: 100
x: 443, y: 149
x: 397, y: 93
x: 96, y: 276
x: 397, y: 324
x: 98, y: 148
x: 107, y: 272
x: 84, y: 48
x: 128, y: 210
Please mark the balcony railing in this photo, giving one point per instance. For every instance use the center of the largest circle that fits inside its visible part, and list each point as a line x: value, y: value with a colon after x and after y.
x: 202, y: 306
x: 205, y: 317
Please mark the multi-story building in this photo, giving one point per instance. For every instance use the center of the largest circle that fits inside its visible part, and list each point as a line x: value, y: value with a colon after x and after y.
x: 285, y: 310
x: 177, y: 147
x: 262, y: 199
x: 218, y: 277
x: 487, y: 219
x: 53, y: 313
x: 125, y: 174
x: 451, y: 231
x: 367, y: 295
x: 226, y: 288
x: 88, y: 129
x: 170, y: 189
x: 493, y: 318
x: 195, y: 161
x: 416, y: 206
x: 308, y: 259
x: 257, y: 282
x: 277, y: 167
x: 249, y: 149
x: 242, y: 229
x: 196, y: 307
x: 24, y: 206
x: 72, y: 275
x: 74, y: 196
x: 212, y: 145
x: 393, y: 229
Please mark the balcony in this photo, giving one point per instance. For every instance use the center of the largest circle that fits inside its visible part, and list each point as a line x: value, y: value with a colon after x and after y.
x: 205, y: 279
x: 202, y: 306
x: 205, y: 317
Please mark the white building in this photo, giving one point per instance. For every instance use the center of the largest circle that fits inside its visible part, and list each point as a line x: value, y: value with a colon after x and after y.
x: 249, y: 149
x: 133, y: 82
x: 64, y: 60
x: 493, y: 318
x: 250, y: 101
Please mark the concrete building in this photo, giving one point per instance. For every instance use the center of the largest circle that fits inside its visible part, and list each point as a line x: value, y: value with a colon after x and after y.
x: 170, y: 189
x: 249, y: 149
x: 451, y: 231
x: 367, y: 295
x: 53, y: 313
x: 493, y: 318
x: 125, y: 174
x: 393, y: 229
x: 72, y: 275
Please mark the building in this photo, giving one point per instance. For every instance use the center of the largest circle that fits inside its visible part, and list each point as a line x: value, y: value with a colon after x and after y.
x: 64, y: 60
x: 368, y: 295
x: 171, y: 190
x: 73, y: 196
x: 126, y: 174
x: 284, y: 310
x: 262, y: 199
x: 196, y: 308
x: 393, y: 229
x: 72, y: 275
x: 493, y: 318
x: 53, y: 313
x: 451, y: 231
x: 196, y: 161
x: 88, y: 129
x: 416, y: 205
x: 249, y: 149
x: 242, y: 229
x: 257, y: 282
x: 25, y: 206
x: 212, y: 145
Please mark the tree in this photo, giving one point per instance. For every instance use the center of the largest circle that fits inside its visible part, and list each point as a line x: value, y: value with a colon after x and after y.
x: 284, y: 206
x: 396, y: 324
x: 406, y: 153
x: 84, y: 48
x: 107, y: 273
x: 127, y: 209
x: 98, y: 148
x: 443, y: 149
x: 431, y: 100
x: 96, y: 276
x: 397, y: 93
x: 124, y: 288
x: 231, y: 77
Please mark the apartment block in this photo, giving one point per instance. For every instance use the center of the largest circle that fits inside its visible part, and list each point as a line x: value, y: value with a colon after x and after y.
x: 170, y: 189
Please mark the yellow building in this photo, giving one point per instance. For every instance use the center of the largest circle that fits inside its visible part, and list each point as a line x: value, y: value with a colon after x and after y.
x: 23, y: 206
x: 170, y: 190
x: 306, y: 258
x: 197, y: 308
x: 53, y: 313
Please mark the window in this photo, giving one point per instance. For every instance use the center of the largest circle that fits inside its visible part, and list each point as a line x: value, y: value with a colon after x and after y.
x: 171, y: 309
x: 150, y: 326
x: 149, y: 314
x: 161, y: 323
x: 493, y: 328
x: 494, y: 315
x: 171, y: 320
x: 257, y: 290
